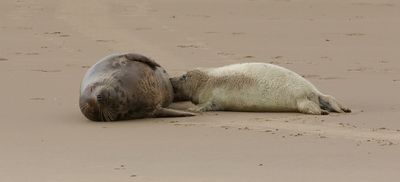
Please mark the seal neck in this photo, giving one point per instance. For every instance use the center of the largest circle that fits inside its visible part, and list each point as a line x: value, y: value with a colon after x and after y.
x: 199, y: 85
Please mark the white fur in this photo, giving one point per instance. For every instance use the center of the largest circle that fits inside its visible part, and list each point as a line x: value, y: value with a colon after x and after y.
x: 276, y: 89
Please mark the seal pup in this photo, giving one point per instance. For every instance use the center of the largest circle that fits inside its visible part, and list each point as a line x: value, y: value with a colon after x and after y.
x: 126, y: 86
x: 252, y: 87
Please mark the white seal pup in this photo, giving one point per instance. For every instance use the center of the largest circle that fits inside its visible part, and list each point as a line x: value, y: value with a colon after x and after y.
x: 252, y: 87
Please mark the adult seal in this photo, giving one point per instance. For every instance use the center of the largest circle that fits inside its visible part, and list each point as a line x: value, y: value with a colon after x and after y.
x: 126, y: 86
x: 252, y: 87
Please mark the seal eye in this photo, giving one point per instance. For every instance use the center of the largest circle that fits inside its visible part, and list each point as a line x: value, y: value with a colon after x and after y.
x: 91, y: 88
x: 183, y: 77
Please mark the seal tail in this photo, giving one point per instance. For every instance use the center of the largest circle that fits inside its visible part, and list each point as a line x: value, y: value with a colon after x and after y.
x: 329, y: 103
x: 165, y: 112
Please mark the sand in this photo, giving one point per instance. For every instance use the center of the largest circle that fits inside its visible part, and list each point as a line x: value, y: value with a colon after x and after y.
x: 348, y: 49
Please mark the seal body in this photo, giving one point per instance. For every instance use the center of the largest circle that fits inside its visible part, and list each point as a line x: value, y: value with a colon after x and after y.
x: 252, y: 87
x: 126, y: 86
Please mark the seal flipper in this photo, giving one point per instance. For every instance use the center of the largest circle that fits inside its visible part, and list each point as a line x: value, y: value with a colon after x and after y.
x: 329, y: 103
x: 165, y: 112
x: 142, y: 59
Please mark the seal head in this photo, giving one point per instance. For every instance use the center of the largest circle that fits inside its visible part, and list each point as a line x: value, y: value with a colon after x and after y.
x: 187, y: 86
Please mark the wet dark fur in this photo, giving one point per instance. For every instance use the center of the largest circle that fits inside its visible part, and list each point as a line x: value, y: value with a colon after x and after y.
x: 132, y: 86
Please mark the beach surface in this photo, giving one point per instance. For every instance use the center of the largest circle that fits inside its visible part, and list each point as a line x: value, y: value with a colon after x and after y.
x: 348, y: 49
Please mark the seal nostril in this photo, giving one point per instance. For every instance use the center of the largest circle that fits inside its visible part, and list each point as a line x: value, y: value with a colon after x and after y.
x: 99, y: 98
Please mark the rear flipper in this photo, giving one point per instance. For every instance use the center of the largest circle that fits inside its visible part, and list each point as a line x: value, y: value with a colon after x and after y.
x: 165, y: 112
x: 329, y: 103
x: 309, y: 107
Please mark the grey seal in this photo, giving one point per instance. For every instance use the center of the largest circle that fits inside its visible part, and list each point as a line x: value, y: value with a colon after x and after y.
x: 126, y: 86
x: 255, y: 87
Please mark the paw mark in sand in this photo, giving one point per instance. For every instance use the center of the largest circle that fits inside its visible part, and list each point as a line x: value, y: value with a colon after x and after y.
x: 57, y: 33
x: 85, y: 66
x: 357, y: 69
x: 121, y: 167
x: 133, y: 175
x: 3, y: 59
x: 225, y: 127
x: 32, y: 53
x: 248, y: 57
x: 347, y: 125
x: 378, y: 129
x: 322, y: 136
x: 396, y: 80
x: 225, y: 54
x: 355, y: 34
x: 188, y: 46
x: 46, y: 71
x: 381, y: 142
x: 272, y: 131
x: 37, y: 98
x: 177, y: 124
x: 101, y: 40
x: 238, y: 33
x: 297, y: 134
x: 53, y: 33
x: 277, y: 57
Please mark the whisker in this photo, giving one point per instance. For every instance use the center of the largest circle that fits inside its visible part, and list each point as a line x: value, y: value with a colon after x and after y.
x: 111, y: 115
x: 106, y: 115
x: 84, y: 107
x: 100, y: 114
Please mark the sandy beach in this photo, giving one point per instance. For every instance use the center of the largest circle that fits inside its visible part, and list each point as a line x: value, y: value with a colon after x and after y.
x: 348, y: 49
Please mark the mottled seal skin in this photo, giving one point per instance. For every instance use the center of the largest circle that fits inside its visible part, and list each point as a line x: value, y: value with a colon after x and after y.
x: 126, y: 86
x: 252, y: 87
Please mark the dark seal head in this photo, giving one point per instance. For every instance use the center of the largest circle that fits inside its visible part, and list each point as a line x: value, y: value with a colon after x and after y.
x: 126, y: 86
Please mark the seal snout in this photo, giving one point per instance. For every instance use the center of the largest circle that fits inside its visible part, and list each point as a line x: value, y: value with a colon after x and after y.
x: 100, y: 98
x: 104, y: 96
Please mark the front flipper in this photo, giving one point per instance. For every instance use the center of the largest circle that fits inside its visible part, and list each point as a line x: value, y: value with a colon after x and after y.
x: 165, y: 112
x: 208, y: 106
